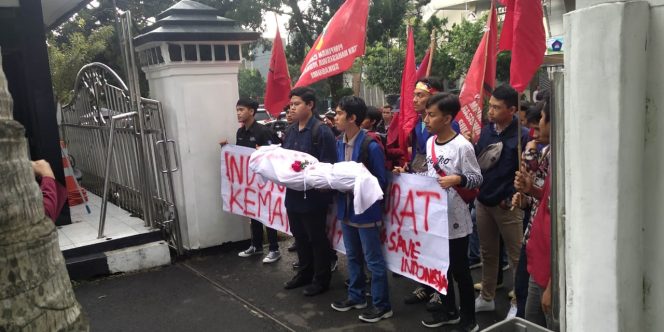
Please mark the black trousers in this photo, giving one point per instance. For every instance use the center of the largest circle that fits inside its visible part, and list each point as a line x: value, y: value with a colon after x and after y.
x: 313, y: 246
x: 459, y: 272
x: 257, y: 236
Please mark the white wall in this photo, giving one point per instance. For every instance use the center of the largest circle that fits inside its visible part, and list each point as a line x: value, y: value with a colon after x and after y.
x: 653, y: 240
x: 607, y: 72
x: 199, y: 104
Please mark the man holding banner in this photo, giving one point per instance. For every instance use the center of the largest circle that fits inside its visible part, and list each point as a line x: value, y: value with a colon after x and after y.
x: 361, y: 232
x: 451, y: 160
x: 307, y: 210
x: 253, y: 134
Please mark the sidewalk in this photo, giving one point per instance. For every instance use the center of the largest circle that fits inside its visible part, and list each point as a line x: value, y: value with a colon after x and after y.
x: 215, y: 290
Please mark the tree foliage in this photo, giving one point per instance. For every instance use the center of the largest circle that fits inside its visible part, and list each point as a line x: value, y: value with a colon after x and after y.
x: 90, y: 35
x: 251, y: 84
x: 65, y: 59
x: 454, y: 50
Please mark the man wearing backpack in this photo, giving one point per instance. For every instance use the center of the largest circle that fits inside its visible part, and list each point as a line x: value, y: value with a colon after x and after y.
x: 307, y: 211
x: 361, y: 232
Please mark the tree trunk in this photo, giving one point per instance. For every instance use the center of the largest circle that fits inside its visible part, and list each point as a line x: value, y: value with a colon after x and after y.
x: 35, y: 291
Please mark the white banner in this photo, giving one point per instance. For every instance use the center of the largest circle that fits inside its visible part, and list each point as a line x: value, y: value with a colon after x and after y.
x: 414, y: 235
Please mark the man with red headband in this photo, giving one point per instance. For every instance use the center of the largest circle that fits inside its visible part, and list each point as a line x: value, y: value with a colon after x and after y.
x: 424, y: 89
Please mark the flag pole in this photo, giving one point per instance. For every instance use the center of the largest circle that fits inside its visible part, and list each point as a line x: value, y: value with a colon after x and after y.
x: 519, y: 148
x: 486, y: 51
x: 431, y: 50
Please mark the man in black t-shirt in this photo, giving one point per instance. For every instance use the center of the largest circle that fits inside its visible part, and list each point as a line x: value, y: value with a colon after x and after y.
x: 253, y: 134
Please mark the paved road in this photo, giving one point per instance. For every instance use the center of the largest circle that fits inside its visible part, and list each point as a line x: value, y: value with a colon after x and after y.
x: 217, y: 291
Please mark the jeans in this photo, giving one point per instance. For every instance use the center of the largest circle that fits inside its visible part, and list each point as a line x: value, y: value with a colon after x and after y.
x: 492, y: 223
x: 534, y: 312
x: 313, y: 246
x: 257, y: 236
x: 521, y: 284
x: 459, y: 271
x: 363, y: 245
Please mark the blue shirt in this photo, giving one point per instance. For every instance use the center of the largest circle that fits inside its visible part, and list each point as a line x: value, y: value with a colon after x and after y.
x: 324, y: 151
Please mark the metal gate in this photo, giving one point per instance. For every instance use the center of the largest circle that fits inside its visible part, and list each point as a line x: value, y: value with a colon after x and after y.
x: 142, y: 158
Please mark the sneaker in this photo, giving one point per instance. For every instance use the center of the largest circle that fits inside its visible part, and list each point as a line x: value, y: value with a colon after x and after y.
x: 293, y: 247
x: 506, y: 267
x: 333, y: 265
x: 420, y: 294
x: 484, y: 305
x: 439, y: 319
x: 478, y: 286
x: 374, y: 315
x: 347, y: 304
x: 470, y: 327
x: 435, y: 303
x: 252, y: 251
x: 272, y: 257
x: 512, y: 313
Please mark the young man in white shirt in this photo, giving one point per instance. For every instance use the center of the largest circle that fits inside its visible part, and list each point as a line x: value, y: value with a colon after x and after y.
x: 451, y: 159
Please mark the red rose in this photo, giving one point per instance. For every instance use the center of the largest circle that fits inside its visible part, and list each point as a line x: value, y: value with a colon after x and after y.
x: 297, y: 166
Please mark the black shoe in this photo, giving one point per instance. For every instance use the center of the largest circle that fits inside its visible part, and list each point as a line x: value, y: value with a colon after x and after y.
x: 420, y: 294
x: 435, y: 303
x: 293, y: 247
x: 297, y: 281
x: 315, y: 289
x: 347, y: 304
x: 374, y: 315
x: 439, y: 319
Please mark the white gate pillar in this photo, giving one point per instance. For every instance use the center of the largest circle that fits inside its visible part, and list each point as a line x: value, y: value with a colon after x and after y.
x: 191, y: 57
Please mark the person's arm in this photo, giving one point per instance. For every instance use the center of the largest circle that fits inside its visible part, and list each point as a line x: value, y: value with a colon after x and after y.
x: 49, y: 188
x: 546, y: 298
x: 471, y: 174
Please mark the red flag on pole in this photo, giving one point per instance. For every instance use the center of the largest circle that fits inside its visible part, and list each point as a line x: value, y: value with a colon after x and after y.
x: 340, y: 43
x: 422, y: 69
x: 480, y: 80
x: 526, y: 38
x: 278, y: 79
x: 404, y: 122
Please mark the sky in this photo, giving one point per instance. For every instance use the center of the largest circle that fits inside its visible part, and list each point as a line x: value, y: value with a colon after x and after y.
x: 271, y: 24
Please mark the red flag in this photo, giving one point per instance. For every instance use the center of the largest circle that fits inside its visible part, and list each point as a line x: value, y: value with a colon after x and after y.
x: 528, y: 40
x: 340, y: 43
x: 278, y: 79
x: 404, y: 122
x: 422, y: 69
x: 480, y: 80
x: 508, y: 27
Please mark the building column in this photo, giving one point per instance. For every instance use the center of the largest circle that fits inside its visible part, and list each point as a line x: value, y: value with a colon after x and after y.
x: 605, y: 113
